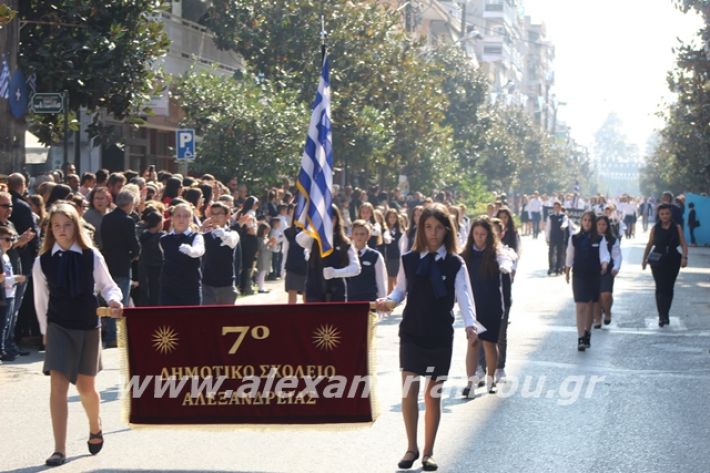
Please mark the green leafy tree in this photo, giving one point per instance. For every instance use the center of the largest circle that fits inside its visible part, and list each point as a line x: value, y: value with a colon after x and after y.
x: 100, y: 51
x: 388, y: 105
x: 251, y: 130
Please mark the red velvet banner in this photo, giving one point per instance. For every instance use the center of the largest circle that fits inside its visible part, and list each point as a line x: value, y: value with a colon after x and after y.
x: 277, y: 364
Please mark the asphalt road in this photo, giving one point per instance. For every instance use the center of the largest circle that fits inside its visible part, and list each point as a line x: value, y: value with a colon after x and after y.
x: 637, y: 401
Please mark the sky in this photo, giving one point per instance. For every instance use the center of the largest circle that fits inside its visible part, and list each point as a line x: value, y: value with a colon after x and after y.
x: 612, y: 56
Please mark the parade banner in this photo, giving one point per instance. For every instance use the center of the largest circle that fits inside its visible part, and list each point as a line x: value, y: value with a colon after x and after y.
x: 276, y: 364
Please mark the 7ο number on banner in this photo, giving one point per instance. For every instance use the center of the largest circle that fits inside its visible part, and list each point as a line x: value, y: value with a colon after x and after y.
x: 258, y: 332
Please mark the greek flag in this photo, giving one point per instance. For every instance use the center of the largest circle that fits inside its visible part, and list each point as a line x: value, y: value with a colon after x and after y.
x: 4, y: 80
x: 315, y: 181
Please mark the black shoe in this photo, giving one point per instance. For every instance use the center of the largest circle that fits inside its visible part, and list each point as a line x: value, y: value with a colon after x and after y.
x: 110, y: 345
x: 597, y: 325
x: 549, y: 272
x: 581, y: 344
x: 428, y: 464
x: 663, y: 321
x: 95, y: 448
x: 607, y: 321
x: 588, y: 339
x: 8, y: 357
x: 23, y: 353
x: 56, y: 459
x: 407, y: 464
x: 466, y: 391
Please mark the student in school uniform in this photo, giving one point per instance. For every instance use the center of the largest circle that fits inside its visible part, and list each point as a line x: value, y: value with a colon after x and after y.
x: 65, y: 275
x: 183, y: 247
x: 295, y: 265
x: 325, y: 278
x: 393, y: 250
x: 587, y: 259
x: 606, y: 285
x: 371, y: 283
x: 377, y: 235
x: 218, y: 261
x: 409, y: 236
x: 486, y: 262
x: 431, y: 277
x: 510, y: 244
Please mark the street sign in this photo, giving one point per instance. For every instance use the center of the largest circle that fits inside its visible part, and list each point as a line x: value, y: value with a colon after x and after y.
x: 185, y: 144
x: 47, y: 103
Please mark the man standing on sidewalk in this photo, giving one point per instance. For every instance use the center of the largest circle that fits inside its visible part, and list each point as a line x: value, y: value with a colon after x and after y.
x: 120, y: 247
x: 535, y: 210
x: 557, y: 222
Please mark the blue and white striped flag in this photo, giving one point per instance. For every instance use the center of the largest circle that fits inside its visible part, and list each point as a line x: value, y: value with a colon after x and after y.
x: 4, y: 80
x: 315, y: 181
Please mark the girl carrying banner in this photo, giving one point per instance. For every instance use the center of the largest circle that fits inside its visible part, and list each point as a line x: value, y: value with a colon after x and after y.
x: 431, y: 277
x: 64, y: 276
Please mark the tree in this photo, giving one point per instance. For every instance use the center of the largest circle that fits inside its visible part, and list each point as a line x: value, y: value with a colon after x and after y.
x: 252, y: 130
x: 100, y: 51
x: 388, y: 105
x: 680, y: 160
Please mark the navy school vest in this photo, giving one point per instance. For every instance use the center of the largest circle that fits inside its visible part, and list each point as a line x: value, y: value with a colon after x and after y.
x: 179, y: 270
x: 428, y: 321
x: 363, y: 287
x: 72, y: 302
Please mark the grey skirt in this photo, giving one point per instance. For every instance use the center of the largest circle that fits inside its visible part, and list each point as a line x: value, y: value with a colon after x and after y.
x: 295, y: 282
x: 72, y: 352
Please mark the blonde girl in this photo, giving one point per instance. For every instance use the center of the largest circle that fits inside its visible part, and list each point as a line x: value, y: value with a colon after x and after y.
x: 183, y: 247
x: 64, y: 276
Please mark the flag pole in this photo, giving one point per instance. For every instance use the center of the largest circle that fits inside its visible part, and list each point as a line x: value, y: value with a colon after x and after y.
x: 323, y: 36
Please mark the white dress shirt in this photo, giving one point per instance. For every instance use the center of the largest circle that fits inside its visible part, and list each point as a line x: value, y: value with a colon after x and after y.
x: 462, y: 286
x: 352, y: 269
x: 197, y: 248
x: 229, y: 237
x: 103, y: 283
x: 616, y: 255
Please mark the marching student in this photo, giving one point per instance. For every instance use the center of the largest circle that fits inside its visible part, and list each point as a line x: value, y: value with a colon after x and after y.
x: 662, y: 254
x: 65, y: 275
x: 294, y: 265
x: 606, y: 285
x: 557, y: 224
x: 150, y: 262
x: 510, y: 244
x: 392, y: 249
x: 183, y: 247
x: 325, y: 277
x: 218, y: 262
x: 587, y: 258
x: 486, y: 262
x: 409, y: 237
x: 371, y: 283
x: 378, y: 231
x: 431, y: 277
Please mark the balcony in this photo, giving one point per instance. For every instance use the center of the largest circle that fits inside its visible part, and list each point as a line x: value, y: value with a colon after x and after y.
x: 501, y: 11
x: 192, y: 43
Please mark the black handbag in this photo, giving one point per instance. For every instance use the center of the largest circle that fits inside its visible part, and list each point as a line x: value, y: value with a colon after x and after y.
x: 654, y: 258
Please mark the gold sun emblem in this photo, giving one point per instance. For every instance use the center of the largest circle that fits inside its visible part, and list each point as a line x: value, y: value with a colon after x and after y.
x: 326, y: 337
x: 165, y: 340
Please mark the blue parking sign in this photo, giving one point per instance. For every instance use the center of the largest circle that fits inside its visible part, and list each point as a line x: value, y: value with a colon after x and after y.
x: 185, y: 144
